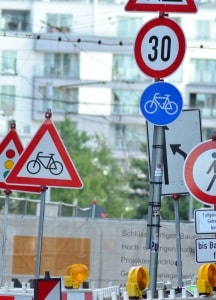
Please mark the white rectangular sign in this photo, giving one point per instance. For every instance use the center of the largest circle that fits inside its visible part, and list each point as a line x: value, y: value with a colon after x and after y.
x: 180, y: 137
x: 205, y: 221
x: 205, y: 250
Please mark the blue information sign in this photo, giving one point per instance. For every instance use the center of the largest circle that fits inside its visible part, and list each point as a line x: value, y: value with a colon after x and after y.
x: 161, y: 103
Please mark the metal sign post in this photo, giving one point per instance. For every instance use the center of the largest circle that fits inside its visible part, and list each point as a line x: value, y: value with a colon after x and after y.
x: 153, y: 225
x: 40, y: 231
x: 4, y: 233
x: 176, y: 197
x: 159, y: 50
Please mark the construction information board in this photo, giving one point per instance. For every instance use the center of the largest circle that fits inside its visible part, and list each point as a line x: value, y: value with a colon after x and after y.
x: 205, y: 221
x: 109, y: 248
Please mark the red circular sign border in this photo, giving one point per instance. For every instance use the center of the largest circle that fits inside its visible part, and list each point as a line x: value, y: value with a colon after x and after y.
x: 138, y: 46
x: 188, y: 172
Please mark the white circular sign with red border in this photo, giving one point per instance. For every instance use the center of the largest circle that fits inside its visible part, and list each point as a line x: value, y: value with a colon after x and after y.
x: 199, y: 172
x: 159, y: 47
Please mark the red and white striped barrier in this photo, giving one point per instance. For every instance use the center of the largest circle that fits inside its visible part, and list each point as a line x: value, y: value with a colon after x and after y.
x: 26, y: 293
x: 17, y: 297
x: 111, y: 293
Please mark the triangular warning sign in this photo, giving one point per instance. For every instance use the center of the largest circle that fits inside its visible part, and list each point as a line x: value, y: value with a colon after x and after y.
x: 162, y: 5
x: 10, y: 151
x: 45, y: 161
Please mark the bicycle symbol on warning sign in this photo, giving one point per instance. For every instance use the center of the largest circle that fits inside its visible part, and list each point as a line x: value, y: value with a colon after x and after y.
x: 162, y: 102
x: 45, y: 161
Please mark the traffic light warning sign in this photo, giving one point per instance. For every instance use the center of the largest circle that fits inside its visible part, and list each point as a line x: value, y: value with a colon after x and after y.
x: 10, y: 151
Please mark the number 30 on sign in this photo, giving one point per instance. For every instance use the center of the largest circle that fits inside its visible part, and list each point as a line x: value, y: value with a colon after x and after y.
x: 159, y: 47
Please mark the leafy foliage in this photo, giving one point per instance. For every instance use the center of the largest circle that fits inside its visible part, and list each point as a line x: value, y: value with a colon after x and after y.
x: 121, y: 193
x: 168, y: 207
x: 101, y: 177
x: 138, y: 188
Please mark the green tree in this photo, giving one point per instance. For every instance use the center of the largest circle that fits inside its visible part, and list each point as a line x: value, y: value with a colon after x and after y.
x: 139, y: 187
x: 168, y: 210
x: 138, y: 182
x: 97, y: 168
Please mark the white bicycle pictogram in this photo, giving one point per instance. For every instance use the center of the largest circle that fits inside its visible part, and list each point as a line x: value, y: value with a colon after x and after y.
x: 162, y: 102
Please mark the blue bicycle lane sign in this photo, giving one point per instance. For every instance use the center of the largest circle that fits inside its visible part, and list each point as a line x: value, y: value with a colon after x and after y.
x: 161, y: 103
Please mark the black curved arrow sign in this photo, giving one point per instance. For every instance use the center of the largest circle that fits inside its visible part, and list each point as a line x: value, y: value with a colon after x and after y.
x: 176, y: 149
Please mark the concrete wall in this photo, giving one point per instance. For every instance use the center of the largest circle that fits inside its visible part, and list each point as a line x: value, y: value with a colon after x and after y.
x: 115, y: 246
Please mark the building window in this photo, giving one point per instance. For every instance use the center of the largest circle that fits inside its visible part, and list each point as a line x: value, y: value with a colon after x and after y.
x: 7, y: 99
x: 203, y: 30
x: 177, y: 76
x: 59, y: 22
x: 125, y: 102
x: 64, y: 65
x: 203, y: 71
x: 127, y: 136
x: 207, y: 133
x: 15, y: 20
x: 206, y: 102
x: 64, y: 100
x: 128, y: 27
x: 125, y: 68
x: 8, y: 62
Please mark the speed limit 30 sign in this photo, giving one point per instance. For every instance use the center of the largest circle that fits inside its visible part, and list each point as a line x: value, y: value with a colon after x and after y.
x: 159, y: 47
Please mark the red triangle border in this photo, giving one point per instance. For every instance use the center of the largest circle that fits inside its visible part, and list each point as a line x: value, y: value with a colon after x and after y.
x: 190, y: 7
x: 13, y: 136
x: 74, y: 182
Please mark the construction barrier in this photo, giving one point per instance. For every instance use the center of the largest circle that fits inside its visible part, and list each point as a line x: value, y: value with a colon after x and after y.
x: 109, y: 293
x: 112, y: 292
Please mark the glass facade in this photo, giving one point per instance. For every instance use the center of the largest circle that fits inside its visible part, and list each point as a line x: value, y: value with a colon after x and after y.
x: 8, y: 62
x: 59, y: 22
x: 15, y: 20
x: 125, y: 68
x: 128, y: 27
x: 203, y: 30
x: 61, y: 64
x: 125, y: 102
x: 127, y: 136
x: 206, y: 102
x: 7, y: 99
x: 63, y: 100
x: 203, y: 71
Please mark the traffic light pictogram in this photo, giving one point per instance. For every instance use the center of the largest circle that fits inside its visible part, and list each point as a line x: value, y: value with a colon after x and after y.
x: 9, y: 162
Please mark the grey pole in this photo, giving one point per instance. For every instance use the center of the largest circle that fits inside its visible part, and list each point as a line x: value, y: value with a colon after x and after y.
x: 49, y: 100
x: 40, y: 231
x: 190, y: 211
x: 94, y: 207
x: 155, y: 204
x: 178, y: 240
x: 4, y: 234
